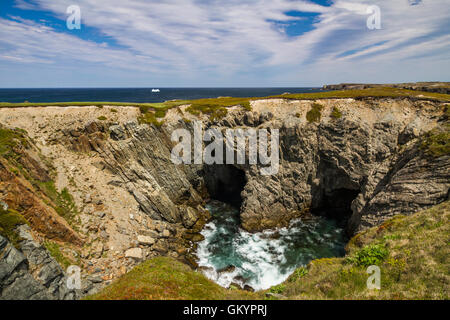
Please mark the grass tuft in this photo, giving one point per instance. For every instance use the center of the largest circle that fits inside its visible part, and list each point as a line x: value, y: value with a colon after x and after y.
x: 9, y: 139
x: 369, y: 255
x: 55, y: 251
x: 215, y: 112
x: 150, y: 119
x: 315, y: 114
x: 9, y: 221
x: 436, y: 143
x: 336, y: 113
x: 62, y: 202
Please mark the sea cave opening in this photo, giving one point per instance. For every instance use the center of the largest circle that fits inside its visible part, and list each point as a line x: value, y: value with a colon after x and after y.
x: 336, y: 204
x: 334, y: 193
x: 225, y: 183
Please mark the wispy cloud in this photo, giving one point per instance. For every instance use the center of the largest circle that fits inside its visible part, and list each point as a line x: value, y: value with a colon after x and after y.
x: 224, y: 39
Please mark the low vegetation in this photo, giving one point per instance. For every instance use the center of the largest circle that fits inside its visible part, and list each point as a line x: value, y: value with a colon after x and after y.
x: 164, y: 278
x: 436, y: 143
x: 55, y: 251
x: 9, y: 139
x: 336, y: 113
x: 315, y: 114
x: 369, y: 255
x: 299, y: 273
x: 216, y: 108
x: 97, y: 104
x: 214, y: 112
x: 9, y: 221
x: 383, y: 92
x: 150, y: 118
x: 62, y: 202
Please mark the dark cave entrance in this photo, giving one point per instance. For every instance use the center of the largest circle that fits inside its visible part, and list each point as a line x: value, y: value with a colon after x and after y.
x: 225, y: 183
x: 334, y: 194
x: 336, y: 204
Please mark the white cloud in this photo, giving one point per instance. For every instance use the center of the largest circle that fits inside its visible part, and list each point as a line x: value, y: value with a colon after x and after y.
x: 227, y: 37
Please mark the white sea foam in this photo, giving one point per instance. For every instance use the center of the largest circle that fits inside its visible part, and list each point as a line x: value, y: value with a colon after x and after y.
x: 262, y: 260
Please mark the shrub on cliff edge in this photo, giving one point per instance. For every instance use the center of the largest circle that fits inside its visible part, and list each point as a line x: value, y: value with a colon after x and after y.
x: 315, y: 114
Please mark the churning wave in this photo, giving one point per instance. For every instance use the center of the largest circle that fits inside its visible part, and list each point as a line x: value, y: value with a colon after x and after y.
x: 231, y: 255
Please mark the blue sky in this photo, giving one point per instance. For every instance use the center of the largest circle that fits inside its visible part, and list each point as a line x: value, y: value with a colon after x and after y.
x: 213, y: 43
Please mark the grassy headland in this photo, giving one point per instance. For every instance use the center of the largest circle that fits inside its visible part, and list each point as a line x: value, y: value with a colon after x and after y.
x: 216, y: 108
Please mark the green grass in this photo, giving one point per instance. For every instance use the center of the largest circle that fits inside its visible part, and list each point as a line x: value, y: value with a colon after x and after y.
x: 215, y: 112
x: 385, y: 92
x: 9, y: 221
x: 369, y: 255
x: 150, y: 118
x: 278, y: 289
x: 160, y: 113
x: 299, y: 273
x: 55, y: 251
x: 9, y: 139
x: 84, y: 104
x: 436, y: 143
x: 62, y: 202
x: 216, y: 108
x: 315, y: 114
x: 336, y: 113
x: 164, y: 278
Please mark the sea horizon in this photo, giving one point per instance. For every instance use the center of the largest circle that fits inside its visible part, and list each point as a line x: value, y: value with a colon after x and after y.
x: 139, y: 95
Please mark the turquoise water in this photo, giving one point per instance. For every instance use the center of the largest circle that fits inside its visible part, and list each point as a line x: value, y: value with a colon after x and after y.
x: 267, y: 258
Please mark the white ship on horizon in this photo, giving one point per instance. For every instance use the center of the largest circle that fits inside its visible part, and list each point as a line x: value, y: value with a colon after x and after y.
x: 156, y: 90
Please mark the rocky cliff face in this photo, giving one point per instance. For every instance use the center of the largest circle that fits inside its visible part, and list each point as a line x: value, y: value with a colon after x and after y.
x: 30, y: 273
x: 363, y: 160
x: 366, y: 164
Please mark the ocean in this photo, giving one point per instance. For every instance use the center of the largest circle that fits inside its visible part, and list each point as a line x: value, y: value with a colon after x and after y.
x: 138, y: 95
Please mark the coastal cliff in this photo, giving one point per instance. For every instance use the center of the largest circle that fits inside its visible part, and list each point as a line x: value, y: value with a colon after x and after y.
x: 99, y: 183
x: 438, y: 87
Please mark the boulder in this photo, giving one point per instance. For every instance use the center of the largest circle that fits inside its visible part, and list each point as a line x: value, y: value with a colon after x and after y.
x: 227, y: 269
x: 166, y: 233
x: 146, y: 240
x: 135, y: 253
